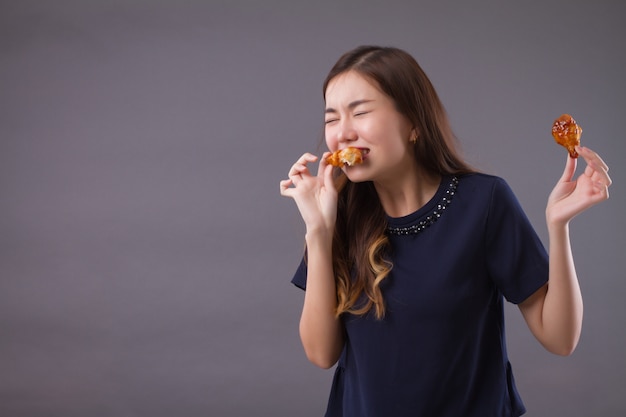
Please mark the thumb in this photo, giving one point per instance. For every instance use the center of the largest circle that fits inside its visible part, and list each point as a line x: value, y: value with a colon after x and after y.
x: 329, y: 180
x: 570, y: 169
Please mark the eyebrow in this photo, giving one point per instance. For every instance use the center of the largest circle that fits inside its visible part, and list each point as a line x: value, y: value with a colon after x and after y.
x: 351, y: 106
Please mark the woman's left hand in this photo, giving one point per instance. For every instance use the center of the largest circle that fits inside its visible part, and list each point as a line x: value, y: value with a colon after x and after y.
x: 572, y: 196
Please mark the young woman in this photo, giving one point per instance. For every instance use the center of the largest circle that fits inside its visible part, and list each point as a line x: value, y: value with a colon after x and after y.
x: 410, y: 253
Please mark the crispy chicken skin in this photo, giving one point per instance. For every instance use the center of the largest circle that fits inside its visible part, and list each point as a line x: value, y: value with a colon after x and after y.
x: 348, y: 156
x: 566, y: 132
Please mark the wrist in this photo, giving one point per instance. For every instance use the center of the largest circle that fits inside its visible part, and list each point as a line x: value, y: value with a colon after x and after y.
x: 318, y: 235
x: 554, y: 221
x: 557, y: 227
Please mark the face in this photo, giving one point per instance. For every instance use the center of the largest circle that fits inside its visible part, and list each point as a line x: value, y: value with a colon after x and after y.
x: 359, y: 114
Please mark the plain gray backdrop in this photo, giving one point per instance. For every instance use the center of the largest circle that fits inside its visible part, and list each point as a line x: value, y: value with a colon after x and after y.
x: 145, y: 251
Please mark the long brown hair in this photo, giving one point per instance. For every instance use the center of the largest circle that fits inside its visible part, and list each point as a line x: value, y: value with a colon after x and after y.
x: 360, y: 244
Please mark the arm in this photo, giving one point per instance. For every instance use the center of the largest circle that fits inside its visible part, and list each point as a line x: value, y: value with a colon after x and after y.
x: 554, y: 313
x: 321, y: 332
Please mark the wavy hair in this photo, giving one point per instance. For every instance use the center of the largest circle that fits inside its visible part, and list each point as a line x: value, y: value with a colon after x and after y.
x: 361, y: 250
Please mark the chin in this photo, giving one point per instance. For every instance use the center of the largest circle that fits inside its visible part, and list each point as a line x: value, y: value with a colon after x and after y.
x: 357, y: 177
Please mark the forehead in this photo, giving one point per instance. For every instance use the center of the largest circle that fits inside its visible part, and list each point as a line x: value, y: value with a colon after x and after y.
x: 351, y: 85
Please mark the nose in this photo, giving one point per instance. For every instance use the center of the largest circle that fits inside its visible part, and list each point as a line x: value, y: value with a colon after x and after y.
x: 346, y: 132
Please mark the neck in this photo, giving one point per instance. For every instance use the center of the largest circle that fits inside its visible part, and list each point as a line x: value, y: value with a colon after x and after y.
x: 408, y: 194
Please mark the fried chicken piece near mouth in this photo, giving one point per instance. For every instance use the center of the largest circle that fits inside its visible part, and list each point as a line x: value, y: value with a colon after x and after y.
x: 567, y: 133
x: 349, y: 156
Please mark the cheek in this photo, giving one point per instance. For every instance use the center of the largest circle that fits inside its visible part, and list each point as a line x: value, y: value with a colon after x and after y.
x: 331, y: 139
x: 394, y: 144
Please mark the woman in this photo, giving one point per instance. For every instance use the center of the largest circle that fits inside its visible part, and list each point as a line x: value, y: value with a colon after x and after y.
x: 410, y: 253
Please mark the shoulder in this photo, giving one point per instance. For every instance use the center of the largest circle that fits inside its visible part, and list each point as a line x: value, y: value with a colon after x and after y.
x: 494, y: 197
x: 484, y: 185
x: 486, y: 194
x: 479, y: 179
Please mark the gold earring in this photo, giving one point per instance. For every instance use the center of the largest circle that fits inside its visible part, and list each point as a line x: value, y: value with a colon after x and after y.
x: 413, y: 138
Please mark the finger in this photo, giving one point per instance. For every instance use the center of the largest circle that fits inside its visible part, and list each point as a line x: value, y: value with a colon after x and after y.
x: 301, y: 164
x: 298, y: 169
x: 592, y: 157
x: 598, y: 172
x: 307, y: 157
x: 601, y: 192
x: 601, y: 176
x: 298, y: 172
x: 285, y: 187
x: 321, y: 170
x: 570, y: 169
x: 329, y: 181
x: 605, y: 191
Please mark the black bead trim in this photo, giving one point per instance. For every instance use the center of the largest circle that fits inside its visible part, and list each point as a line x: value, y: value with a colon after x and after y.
x: 433, y: 217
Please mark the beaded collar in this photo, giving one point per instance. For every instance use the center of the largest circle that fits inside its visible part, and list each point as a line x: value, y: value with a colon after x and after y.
x: 431, y: 218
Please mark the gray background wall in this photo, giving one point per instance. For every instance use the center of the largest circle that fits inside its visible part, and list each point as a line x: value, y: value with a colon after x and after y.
x: 145, y: 252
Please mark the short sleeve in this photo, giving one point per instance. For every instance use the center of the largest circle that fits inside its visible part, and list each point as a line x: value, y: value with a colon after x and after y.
x: 516, y: 259
x: 299, y: 278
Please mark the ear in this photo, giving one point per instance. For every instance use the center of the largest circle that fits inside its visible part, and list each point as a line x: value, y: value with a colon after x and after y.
x: 414, y: 135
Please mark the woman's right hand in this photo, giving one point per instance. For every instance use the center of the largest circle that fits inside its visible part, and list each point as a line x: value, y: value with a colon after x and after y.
x: 315, y: 195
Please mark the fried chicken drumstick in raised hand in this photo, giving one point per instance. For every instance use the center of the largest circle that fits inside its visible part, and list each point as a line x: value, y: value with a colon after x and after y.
x: 566, y: 132
x: 348, y: 156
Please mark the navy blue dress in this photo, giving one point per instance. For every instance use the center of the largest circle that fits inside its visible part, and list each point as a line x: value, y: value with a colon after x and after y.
x: 440, y: 349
